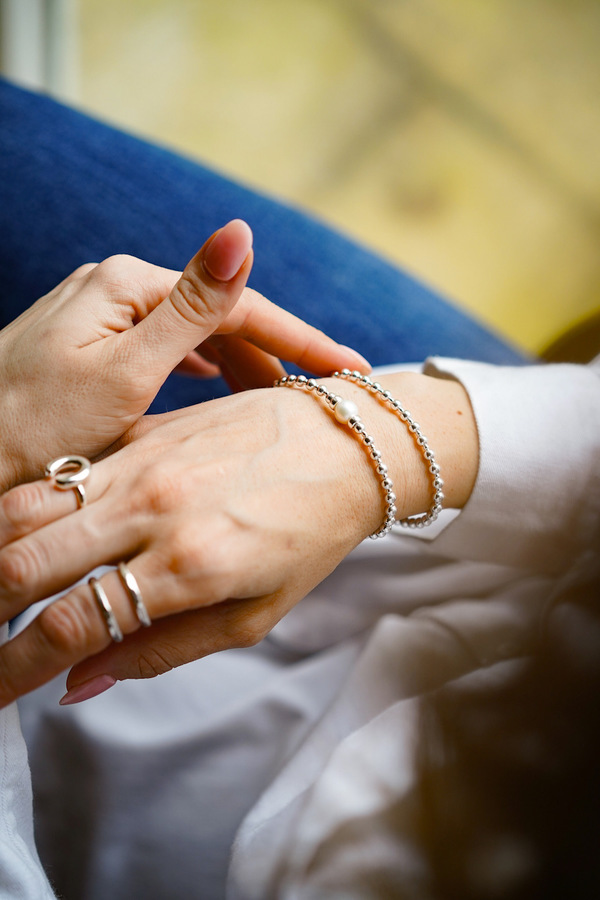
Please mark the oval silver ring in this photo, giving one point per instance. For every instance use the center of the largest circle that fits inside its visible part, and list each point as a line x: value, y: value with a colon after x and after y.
x: 69, y: 473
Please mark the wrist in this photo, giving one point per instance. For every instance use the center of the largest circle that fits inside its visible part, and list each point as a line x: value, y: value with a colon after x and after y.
x: 443, y: 411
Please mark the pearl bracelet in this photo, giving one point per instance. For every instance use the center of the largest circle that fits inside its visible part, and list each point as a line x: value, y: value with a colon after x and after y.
x: 434, y: 470
x: 346, y: 412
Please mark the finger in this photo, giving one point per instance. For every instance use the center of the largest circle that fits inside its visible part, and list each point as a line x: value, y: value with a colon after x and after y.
x: 174, y: 641
x: 245, y: 366
x: 195, y: 365
x: 204, y: 295
x: 41, y: 563
x: 74, y: 626
x: 29, y: 506
x: 284, y: 335
x: 65, y: 632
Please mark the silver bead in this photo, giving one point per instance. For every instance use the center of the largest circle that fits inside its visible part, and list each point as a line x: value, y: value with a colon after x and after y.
x: 322, y: 390
x: 302, y: 379
x: 291, y: 379
x: 438, y: 483
x: 387, y: 484
x: 355, y: 374
x: 375, y: 454
x: 382, y: 469
x: 311, y: 384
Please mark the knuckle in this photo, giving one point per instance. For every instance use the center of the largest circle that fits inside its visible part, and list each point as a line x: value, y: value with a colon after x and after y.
x: 250, y: 633
x: 154, y: 662
x: 19, y: 568
x: 158, y: 490
x: 186, y: 551
x: 64, y: 625
x: 22, y: 505
x: 193, y: 300
x: 120, y: 271
x: 200, y: 561
x: 83, y: 270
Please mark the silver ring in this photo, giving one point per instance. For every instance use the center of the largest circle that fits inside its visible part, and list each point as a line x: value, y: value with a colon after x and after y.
x: 110, y: 619
x: 69, y: 473
x: 135, y: 595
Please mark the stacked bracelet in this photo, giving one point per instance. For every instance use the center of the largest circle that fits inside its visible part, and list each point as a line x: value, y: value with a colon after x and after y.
x: 346, y: 412
x: 433, y: 469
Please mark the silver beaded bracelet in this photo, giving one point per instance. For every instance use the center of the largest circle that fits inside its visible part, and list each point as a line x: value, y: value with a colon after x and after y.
x: 346, y: 412
x: 434, y: 470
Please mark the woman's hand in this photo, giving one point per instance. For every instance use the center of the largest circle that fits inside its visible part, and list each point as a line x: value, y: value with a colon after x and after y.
x: 84, y: 363
x: 228, y: 513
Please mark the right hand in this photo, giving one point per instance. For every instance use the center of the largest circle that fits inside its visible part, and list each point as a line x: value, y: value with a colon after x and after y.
x: 228, y: 514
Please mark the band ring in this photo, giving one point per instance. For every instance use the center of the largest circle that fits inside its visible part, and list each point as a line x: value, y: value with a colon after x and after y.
x: 110, y: 619
x: 135, y: 595
x: 69, y: 473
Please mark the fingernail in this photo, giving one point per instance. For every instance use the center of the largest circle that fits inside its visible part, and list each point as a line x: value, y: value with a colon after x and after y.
x: 88, y: 689
x: 228, y: 249
x: 360, y: 361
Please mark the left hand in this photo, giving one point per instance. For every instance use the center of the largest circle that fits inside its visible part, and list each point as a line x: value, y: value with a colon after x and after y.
x: 81, y: 365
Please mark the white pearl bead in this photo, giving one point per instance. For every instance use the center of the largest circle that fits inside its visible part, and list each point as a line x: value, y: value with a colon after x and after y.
x: 345, y: 410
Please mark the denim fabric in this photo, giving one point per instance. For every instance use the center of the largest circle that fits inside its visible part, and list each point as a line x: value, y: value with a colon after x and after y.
x: 73, y: 190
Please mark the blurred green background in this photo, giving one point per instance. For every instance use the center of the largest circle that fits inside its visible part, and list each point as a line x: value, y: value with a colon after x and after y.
x: 458, y: 137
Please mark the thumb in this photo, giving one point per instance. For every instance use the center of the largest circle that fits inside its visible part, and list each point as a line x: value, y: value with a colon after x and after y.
x: 209, y: 288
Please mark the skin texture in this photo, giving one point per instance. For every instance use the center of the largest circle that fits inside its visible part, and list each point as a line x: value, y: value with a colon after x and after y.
x: 228, y: 513
x: 84, y: 363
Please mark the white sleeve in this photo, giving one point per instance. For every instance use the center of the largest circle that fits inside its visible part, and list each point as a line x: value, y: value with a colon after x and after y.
x: 21, y: 875
x: 536, y: 500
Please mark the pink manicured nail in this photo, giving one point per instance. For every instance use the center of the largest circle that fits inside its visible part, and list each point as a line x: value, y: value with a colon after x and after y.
x: 227, y: 251
x: 88, y: 689
x: 361, y: 362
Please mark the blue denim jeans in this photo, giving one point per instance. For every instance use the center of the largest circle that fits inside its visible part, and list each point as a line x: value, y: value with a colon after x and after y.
x: 73, y: 190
